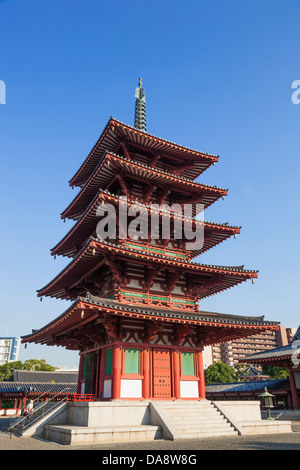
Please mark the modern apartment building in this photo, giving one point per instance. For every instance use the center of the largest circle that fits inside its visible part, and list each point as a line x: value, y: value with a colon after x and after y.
x: 9, y: 349
x: 231, y: 352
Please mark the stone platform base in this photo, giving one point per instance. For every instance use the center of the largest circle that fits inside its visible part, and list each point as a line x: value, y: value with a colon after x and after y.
x: 69, y: 434
x: 121, y: 421
x: 266, y: 427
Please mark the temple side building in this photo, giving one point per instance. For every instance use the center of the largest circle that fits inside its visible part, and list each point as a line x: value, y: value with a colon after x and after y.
x: 288, y: 357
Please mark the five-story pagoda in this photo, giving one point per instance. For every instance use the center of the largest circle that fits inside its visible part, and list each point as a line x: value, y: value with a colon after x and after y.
x: 134, y: 286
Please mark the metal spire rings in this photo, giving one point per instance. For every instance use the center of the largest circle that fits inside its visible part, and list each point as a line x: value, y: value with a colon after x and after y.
x: 140, y: 108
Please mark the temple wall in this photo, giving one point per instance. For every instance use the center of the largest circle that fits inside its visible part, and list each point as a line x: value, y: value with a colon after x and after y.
x: 131, y: 388
x: 189, y: 389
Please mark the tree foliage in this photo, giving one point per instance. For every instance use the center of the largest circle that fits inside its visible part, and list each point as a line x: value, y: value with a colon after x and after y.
x: 219, y: 373
x: 6, y: 370
x: 275, y: 372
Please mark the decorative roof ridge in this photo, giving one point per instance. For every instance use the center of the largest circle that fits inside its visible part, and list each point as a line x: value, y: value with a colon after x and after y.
x: 237, y: 269
x: 247, y: 382
x: 167, y: 173
x: 112, y: 154
x: 156, y: 255
x: 205, y: 154
x: 266, y: 352
x: 208, y: 316
x: 221, y: 224
x: 112, y: 120
x: 137, y: 202
x: 140, y: 202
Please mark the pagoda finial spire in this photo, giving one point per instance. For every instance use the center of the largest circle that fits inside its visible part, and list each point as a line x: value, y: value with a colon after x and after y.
x: 140, y: 108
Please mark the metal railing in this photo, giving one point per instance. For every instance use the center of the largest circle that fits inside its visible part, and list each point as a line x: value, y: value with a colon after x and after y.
x: 83, y: 397
x: 25, y: 421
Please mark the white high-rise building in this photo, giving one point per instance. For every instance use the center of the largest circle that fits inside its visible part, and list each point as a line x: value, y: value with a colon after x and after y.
x: 9, y: 349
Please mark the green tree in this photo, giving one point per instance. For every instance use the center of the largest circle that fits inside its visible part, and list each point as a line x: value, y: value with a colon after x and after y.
x: 7, y: 369
x: 275, y: 372
x: 219, y: 373
x: 37, y: 364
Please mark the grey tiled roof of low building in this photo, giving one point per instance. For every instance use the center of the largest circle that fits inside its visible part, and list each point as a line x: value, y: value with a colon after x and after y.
x: 242, y: 387
x: 35, y: 387
x: 66, y: 377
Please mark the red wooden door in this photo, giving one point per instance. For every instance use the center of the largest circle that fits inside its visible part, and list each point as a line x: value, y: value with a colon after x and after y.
x: 161, y: 367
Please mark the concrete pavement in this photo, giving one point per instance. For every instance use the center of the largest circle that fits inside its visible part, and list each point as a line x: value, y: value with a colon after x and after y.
x: 286, y: 441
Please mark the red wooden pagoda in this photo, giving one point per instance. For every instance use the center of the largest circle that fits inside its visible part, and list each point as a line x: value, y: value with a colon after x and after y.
x: 135, y: 316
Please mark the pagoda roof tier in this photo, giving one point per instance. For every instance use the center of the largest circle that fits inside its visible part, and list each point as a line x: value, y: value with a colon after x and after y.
x: 85, y: 227
x: 111, y: 166
x: 117, y: 132
x: 207, y: 279
x: 214, y: 327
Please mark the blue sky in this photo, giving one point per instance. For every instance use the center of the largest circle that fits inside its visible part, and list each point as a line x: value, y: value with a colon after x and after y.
x: 217, y: 77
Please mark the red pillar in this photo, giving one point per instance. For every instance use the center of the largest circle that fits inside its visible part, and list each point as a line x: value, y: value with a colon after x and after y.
x: 146, y: 373
x: 201, y: 383
x: 294, y: 390
x: 176, y: 369
x: 116, y: 379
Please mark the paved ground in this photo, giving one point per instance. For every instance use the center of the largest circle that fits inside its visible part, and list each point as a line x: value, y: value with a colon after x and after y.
x: 288, y: 441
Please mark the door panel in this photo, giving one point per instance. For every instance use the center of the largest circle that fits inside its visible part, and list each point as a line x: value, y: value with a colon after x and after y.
x: 162, y: 385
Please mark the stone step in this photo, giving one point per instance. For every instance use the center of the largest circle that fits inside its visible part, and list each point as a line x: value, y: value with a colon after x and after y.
x: 209, y: 411
x: 203, y: 426
x: 196, y: 418
x: 192, y: 415
x: 69, y: 434
x: 200, y: 419
x: 186, y: 407
x: 190, y: 412
x: 191, y: 406
x: 178, y: 409
x: 211, y: 433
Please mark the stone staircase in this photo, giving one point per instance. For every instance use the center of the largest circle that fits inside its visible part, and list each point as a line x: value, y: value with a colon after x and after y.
x: 21, y: 424
x: 197, y: 419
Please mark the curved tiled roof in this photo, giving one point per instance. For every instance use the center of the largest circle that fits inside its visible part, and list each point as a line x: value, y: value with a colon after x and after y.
x: 109, y: 140
x: 286, y: 351
x: 72, y: 316
x: 66, y: 377
x: 243, y: 387
x: 37, y: 387
x: 85, y: 260
x: 102, y: 176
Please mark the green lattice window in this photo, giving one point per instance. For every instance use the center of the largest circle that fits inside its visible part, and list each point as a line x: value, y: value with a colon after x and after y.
x: 131, y: 365
x: 108, y: 362
x: 188, y: 363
